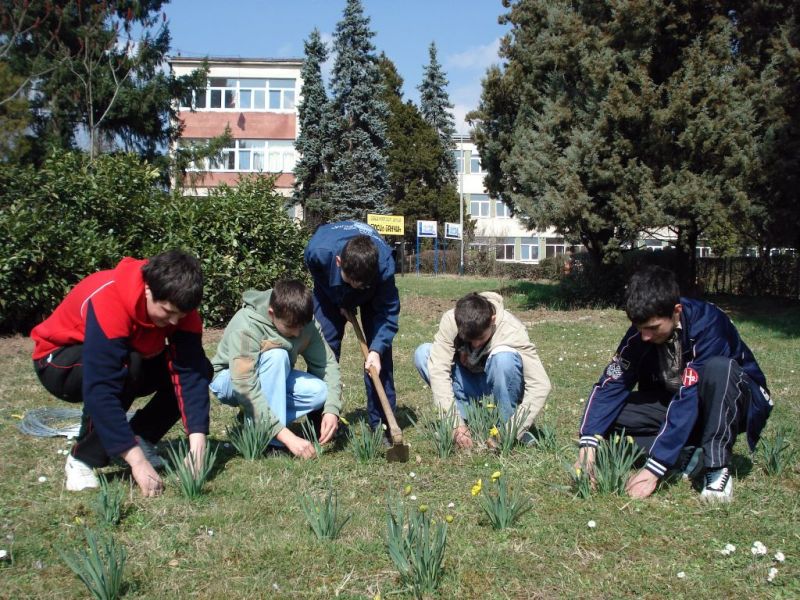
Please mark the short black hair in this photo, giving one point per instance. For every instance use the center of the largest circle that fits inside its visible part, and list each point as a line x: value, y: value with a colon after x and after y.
x: 652, y: 292
x: 473, y: 316
x: 175, y: 276
x: 360, y: 260
x: 291, y: 302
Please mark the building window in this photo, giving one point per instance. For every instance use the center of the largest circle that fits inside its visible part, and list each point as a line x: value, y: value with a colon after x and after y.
x: 529, y: 249
x: 479, y: 206
x: 242, y: 94
x: 500, y: 209
x: 257, y: 156
x: 504, y: 250
x: 475, y: 163
x: 554, y: 246
x: 459, y: 160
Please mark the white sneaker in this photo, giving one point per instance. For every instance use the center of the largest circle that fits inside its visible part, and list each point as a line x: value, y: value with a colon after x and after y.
x: 150, y: 453
x: 718, y: 486
x: 80, y: 476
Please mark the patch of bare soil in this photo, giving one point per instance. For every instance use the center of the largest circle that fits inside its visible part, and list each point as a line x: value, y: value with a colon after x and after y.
x: 425, y: 307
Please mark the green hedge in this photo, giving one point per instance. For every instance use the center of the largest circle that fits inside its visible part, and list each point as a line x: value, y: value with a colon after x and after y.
x: 70, y: 218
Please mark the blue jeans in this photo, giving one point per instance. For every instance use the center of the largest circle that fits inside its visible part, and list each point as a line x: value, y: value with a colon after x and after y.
x: 502, y: 379
x: 289, y: 393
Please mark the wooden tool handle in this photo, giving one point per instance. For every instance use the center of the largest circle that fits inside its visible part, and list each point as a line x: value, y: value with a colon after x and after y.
x: 394, y: 429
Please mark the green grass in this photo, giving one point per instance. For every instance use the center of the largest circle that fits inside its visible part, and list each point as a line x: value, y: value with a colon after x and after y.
x: 246, y: 536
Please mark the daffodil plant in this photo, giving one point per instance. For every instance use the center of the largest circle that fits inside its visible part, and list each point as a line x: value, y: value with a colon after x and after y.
x: 581, y: 482
x: 181, y: 466
x: 311, y: 435
x: 251, y: 437
x: 441, y: 430
x: 108, y: 505
x: 100, y: 567
x: 507, y: 437
x: 365, y: 443
x: 615, y: 458
x: 481, y: 417
x: 775, y: 452
x: 323, y: 515
x: 502, y: 504
x: 416, y: 546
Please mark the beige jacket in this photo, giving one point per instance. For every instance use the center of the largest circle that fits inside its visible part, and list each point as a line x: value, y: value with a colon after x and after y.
x: 509, y: 332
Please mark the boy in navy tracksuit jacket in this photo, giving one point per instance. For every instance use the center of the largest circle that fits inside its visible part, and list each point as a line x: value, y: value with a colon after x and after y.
x: 120, y: 334
x: 698, y: 385
x: 352, y: 267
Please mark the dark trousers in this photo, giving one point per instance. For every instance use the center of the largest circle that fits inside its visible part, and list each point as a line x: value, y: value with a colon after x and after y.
x: 61, y: 374
x: 724, y: 393
x: 332, y: 323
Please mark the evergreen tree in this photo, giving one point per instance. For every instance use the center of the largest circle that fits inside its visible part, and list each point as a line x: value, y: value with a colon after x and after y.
x: 612, y: 118
x: 97, y: 69
x: 359, y: 179
x: 414, y: 157
x: 311, y: 188
x: 437, y: 111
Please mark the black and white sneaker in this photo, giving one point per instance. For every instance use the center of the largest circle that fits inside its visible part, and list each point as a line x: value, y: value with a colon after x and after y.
x: 718, y: 486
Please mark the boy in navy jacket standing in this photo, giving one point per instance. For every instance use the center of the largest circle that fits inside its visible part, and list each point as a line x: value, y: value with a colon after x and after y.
x: 120, y: 334
x: 699, y: 386
x: 352, y: 267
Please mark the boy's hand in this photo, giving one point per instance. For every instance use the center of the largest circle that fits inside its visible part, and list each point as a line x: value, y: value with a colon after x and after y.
x: 197, y: 449
x: 301, y: 448
x: 373, y: 360
x: 328, y: 428
x: 462, y: 437
x: 296, y: 445
x: 586, y: 458
x: 150, y: 484
x: 642, y: 484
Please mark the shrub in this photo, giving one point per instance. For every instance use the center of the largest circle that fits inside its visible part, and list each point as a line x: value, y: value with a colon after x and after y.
x: 72, y: 217
x: 242, y: 235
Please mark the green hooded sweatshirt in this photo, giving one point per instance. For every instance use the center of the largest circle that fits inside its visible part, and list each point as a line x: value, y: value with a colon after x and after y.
x: 251, y: 332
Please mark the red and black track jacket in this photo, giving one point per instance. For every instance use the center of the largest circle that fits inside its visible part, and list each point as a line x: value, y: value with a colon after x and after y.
x: 107, y: 313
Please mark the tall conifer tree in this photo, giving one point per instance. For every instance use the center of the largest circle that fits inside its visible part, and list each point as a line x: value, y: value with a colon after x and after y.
x: 359, y: 179
x: 437, y: 111
x: 414, y: 157
x: 312, y: 185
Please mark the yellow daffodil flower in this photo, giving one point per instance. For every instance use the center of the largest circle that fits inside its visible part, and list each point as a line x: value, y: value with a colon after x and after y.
x: 493, y: 432
x: 423, y: 508
x: 578, y: 471
x: 495, y: 476
x: 491, y: 406
x: 598, y: 437
x: 476, y: 489
x: 407, y: 490
x: 343, y: 420
x: 629, y: 439
x: 449, y: 518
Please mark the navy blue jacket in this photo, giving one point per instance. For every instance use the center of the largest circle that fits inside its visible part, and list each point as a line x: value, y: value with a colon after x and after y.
x: 381, y: 296
x: 706, y: 332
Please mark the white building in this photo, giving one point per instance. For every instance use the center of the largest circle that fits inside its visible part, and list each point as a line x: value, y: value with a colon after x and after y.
x: 494, y: 226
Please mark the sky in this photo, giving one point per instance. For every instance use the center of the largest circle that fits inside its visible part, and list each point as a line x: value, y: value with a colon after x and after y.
x: 466, y: 34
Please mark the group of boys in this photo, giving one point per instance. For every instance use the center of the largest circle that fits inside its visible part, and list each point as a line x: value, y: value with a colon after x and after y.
x: 134, y: 330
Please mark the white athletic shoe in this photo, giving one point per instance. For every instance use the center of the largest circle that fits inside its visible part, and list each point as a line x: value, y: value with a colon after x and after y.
x: 718, y: 486
x: 150, y: 453
x: 80, y: 476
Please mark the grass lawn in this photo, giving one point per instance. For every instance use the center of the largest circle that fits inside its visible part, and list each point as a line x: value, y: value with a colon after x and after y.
x: 247, y: 536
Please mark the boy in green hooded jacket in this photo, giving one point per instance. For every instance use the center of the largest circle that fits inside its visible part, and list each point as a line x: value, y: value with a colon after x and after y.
x: 254, y: 365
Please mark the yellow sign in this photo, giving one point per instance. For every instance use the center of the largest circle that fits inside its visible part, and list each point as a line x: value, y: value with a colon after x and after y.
x: 387, y: 224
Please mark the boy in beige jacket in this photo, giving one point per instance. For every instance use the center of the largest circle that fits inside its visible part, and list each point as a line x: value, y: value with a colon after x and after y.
x: 481, y: 350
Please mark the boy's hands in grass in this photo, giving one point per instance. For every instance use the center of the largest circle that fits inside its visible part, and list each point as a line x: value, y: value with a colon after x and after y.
x: 197, y: 449
x: 586, y: 458
x: 462, y: 437
x: 150, y: 484
x: 298, y: 446
x: 328, y: 428
x: 642, y: 484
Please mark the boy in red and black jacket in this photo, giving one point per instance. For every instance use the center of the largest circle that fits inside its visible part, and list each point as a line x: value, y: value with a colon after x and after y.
x: 118, y: 335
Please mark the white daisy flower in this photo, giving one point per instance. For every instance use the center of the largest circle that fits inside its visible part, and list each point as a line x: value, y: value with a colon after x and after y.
x: 591, y: 524
x: 779, y: 556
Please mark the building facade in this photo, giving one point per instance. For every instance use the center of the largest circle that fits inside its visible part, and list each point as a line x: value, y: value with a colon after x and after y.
x: 257, y: 100
x: 495, y: 229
